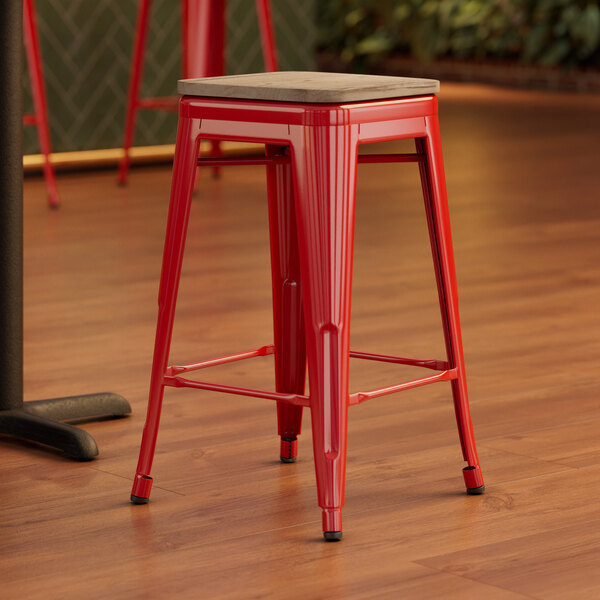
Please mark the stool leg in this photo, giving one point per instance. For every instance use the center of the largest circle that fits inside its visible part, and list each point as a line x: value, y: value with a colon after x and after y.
x: 267, y: 35
x: 135, y: 78
x: 325, y: 168
x: 38, y: 92
x: 204, y: 43
x: 184, y: 168
x: 185, y: 17
x: 436, y: 205
x: 204, y: 47
x: 288, y: 319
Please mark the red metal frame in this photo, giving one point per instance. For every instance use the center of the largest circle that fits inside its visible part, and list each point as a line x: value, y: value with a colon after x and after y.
x: 203, y: 55
x: 311, y: 158
x: 38, y: 93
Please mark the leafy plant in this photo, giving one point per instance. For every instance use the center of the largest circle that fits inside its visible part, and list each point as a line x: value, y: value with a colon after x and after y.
x: 545, y: 32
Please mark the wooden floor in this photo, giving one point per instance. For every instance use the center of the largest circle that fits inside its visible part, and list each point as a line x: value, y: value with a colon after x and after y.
x: 226, y: 519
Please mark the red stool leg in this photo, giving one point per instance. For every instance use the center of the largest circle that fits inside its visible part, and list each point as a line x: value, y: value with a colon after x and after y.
x: 184, y: 168
x: 135, y: 78
x: 185, y: 17
x: 288, y: 319
x: 204, y: 47
x: 204, y: 41
x: 38, y: 92
x: 267, y: 35
x: 324, y: 160
x: 436, y: 204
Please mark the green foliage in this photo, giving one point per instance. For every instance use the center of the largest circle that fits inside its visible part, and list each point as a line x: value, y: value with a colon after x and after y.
x: 545, y: 32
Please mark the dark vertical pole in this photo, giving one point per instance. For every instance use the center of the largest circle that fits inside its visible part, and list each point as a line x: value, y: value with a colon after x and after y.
x: 11, y: 209
x: 36, y: 421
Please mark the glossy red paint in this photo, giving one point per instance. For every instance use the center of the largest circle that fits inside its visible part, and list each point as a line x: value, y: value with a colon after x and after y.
x: 38, y: 93
x: 202, y: 55
x: 311, y: 159
x: 288, y: 317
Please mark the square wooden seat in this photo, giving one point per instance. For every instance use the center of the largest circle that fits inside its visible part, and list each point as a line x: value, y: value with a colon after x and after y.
x: 308, y: 87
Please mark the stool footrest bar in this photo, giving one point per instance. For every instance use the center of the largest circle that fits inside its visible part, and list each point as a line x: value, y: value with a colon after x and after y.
x: 435, y: 365
x: 263, y: 351
x: 294, y: 399
x: 443, y: 376
x: 171, y: 377
x: 300, y: 400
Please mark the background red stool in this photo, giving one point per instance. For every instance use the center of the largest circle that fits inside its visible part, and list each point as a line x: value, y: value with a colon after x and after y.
x: 38, y: 93
x: 312, y: 125
x: 202, y: 52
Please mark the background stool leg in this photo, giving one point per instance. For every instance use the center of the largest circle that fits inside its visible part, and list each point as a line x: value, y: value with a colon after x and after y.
x: 204, y: 46
x: 267, y: 34
x: 325, y: 168
x: 288, y: 319
x: 135, y: 78
x: 205, y: 39
x: 38, y: 92
x: 185, y: 18
x: 184, y: 168
x: 436, y: 205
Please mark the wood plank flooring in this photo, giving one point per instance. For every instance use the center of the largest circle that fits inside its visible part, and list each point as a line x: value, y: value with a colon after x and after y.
x: 226, y: 519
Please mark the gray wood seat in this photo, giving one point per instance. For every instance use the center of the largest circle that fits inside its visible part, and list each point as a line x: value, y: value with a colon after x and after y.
x: 308, y: 87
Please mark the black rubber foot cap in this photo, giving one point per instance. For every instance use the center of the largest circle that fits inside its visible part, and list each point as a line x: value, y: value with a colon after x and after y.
x: 332, y: 536
x: 476, y: 491
x: 138, y: 500
x: 285, y: 459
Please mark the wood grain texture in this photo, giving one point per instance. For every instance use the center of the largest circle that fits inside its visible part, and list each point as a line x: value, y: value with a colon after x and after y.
x: 308, y: 86
x: 226, y: 519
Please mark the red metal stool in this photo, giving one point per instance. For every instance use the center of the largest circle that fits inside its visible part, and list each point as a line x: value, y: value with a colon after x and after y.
x: 38, y: 93
x: 203, y: 55
x: 311, y: 124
